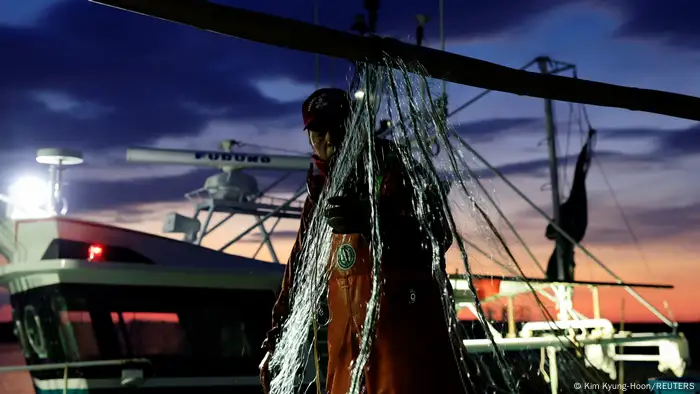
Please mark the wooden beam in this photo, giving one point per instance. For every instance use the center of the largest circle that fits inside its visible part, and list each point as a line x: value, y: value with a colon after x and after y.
x: 306, y: 37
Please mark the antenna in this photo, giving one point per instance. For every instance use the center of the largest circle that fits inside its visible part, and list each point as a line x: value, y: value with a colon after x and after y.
x: 218, y: 159
x: 57, y: 159
x: 231, y: 192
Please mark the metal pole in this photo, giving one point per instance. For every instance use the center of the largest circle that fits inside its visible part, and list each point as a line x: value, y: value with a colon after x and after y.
x: 219, y: 224
x: 56, y: 189
x: 596, y: 302
x: 79, y: 364
x: 561, y: 293
x: 621, y: 366
x: 263, y: 219
x: 553, y: 167
x: 266, y: 240
x: 206, y: 231
x: 203, y: 231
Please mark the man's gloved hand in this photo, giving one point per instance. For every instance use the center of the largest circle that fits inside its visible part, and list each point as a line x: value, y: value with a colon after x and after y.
x: 349, y: 215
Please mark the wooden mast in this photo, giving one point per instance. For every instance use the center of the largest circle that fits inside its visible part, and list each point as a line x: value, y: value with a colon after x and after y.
x: 307, y: 37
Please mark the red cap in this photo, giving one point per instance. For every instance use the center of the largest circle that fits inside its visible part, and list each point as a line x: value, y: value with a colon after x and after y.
x: 327, y: 106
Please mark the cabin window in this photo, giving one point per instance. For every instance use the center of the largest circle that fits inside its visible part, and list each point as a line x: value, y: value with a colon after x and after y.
x: 79, y: 325
x: 141, y: 322
x: 37, y: 325
x: 149, y: 334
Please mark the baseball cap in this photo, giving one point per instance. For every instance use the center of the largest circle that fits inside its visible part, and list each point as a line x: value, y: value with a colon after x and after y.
x: 326, y: 107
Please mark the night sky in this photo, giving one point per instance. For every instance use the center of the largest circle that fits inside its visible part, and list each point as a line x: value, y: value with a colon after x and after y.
x: 89, y: 77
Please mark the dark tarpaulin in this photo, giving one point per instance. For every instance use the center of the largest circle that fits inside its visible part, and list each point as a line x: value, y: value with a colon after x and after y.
x: 573, y: 217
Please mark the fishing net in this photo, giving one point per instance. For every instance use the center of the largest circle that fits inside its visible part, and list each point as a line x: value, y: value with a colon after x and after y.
x: 433, y: 155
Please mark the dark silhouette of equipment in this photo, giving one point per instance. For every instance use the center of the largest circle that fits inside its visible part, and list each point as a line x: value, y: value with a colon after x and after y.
x: 573, y: 216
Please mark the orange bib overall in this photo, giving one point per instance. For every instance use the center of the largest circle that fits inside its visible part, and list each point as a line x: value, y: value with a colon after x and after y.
x: 411, y: 352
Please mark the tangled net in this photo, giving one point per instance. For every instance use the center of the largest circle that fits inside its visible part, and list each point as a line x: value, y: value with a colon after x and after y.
x: 421, y: 134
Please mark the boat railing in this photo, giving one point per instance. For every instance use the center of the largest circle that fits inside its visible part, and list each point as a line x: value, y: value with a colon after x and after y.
x: 72, y: 365
x: 205, y: 194
x: 278, y: 201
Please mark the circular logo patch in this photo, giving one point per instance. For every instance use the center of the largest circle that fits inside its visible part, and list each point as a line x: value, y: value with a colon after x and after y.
x: 346, y: 257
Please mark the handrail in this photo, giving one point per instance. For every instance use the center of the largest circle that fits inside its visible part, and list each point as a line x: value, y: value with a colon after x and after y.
x: 77, y: 364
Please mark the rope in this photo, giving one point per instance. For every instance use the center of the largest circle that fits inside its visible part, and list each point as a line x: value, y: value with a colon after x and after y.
x: 566, y: 236
x: 317, y: 363
x: 507, y: 221
x: 623, y: 215
x: 65, y: 380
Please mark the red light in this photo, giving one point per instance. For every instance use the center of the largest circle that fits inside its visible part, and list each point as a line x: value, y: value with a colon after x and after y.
x: 95, y: 253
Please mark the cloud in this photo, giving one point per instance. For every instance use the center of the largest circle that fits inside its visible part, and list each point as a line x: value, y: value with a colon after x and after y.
x: 672, y: 23
x: 63, y: 103
x: 489, y: 130
x: 648, y: 224
x: 654, y: 222
x: 91, y: 76
x: 624, y: 148
x: 257, y: 237
x: 669, y: 144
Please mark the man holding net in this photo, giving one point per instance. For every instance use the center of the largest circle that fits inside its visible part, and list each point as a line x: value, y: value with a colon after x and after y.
x: 411, y: 351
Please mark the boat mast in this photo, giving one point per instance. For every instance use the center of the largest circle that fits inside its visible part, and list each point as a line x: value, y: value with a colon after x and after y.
x: 543, y: 63
x: 562, y: 292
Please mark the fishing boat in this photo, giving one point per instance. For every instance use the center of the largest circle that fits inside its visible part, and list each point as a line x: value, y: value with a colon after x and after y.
x: 596, y: 339
x: 99, y: 308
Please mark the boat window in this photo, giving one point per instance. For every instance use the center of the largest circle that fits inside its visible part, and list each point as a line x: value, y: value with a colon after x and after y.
x: 152, y: 334
x: 37, y: 327
x: 168, y: 322
x: 80, y: 326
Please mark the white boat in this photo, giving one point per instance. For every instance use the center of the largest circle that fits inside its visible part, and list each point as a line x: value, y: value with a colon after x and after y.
x: 102, y: 308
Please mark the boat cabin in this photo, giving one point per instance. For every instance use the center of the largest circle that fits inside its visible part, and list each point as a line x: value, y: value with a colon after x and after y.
x: 104, y: 309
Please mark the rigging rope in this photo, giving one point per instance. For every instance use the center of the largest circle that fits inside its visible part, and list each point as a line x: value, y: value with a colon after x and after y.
x: 563, y: 233
x: 623, y: 215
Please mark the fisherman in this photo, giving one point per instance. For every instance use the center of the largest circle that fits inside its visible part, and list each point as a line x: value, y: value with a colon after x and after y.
x: 411, y: 351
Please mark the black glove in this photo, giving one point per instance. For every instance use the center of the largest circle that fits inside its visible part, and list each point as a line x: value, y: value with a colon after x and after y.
x: 349, y: 215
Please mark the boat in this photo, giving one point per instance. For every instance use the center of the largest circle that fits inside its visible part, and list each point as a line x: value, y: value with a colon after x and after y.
x: 99, y: 308
x: 596, y: 340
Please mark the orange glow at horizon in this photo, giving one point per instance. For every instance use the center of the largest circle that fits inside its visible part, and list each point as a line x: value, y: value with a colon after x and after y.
x: 623, y: 259
x: 627, y: 264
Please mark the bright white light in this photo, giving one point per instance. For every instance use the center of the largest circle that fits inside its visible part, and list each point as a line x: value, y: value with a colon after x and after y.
x: 359, y: 95
x: 28, y: 198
